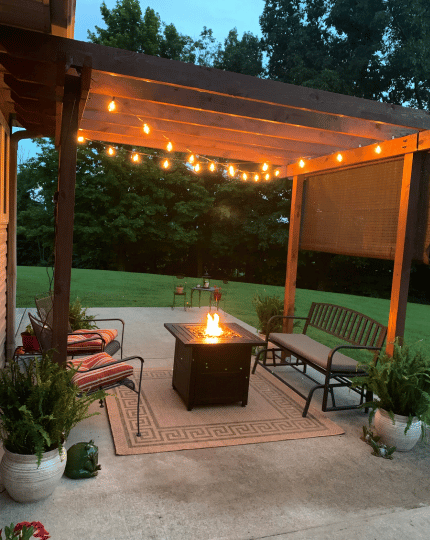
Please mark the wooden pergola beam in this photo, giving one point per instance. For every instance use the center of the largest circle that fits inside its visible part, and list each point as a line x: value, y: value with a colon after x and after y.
x: 33, y: 46
x: 202, y: 147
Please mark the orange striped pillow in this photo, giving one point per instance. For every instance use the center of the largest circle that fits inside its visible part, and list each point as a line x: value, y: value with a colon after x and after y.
x: 96, y: 345
x: 105, y: 376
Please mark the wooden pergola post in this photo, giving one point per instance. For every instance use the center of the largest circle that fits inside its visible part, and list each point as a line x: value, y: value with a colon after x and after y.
x: 293, y: 251
x: 405, y: 243
x: 64, y: 216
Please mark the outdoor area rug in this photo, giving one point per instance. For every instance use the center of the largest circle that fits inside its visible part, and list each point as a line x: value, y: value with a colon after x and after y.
x: 273, y: 413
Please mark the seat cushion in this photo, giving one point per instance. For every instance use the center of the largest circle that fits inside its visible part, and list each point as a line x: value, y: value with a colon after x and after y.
x: 313, y: 351
x: 104, y: 376
x: 89, y: 347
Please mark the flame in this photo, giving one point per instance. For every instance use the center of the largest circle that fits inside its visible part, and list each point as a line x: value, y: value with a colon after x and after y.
x: 212, y: 327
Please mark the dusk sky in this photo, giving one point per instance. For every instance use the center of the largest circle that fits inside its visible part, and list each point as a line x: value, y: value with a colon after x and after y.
x: 189, y: 17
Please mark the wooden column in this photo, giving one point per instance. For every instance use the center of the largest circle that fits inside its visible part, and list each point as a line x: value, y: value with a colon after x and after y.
x: 64, y: 217
x: 11, y: 241
x: 293, y: 251
x: 406, y: 231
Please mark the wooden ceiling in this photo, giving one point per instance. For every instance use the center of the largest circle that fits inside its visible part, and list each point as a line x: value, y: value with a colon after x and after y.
x: 203, y: 110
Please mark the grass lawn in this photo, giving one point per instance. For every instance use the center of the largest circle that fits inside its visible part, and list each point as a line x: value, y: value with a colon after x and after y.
x: 100, y: 288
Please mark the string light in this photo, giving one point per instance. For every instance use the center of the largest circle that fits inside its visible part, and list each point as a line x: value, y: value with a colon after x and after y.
x: 378, y: 149
x: 112, y: 105
x: 197, y: 167
x: 301, y: 163
x: 339, y: 157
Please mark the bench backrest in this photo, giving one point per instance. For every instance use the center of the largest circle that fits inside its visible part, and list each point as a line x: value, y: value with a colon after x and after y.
x: 346, y: 324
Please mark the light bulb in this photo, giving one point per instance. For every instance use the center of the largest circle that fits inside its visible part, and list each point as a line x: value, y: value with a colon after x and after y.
x: 146, y: 129
x: 135, y: 158
x: 231, y: 170
x: 169, y: 146
x: 166, y: 164
x: 245, y: 176
x: 378, y: 149
x: 191, y: 159
x: 112, y: 105
x: 277, y: 172
x: 265, y: 166
x: 111, y: 151
x: 81, y: 139
x: 267, y: 176
x: 339, y: 157
x: 212, y: 166
x: 197, y: 167
x: 256, y: 177
x: 301, y: 163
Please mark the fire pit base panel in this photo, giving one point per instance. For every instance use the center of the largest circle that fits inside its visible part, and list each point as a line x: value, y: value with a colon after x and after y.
x: 212, y: 373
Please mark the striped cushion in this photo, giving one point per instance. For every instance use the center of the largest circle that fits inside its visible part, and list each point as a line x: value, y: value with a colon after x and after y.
x: 89, y: 346
x: 92, y: 380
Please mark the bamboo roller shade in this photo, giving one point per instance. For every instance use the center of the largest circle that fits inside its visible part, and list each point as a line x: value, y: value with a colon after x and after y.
x: 353, y: 211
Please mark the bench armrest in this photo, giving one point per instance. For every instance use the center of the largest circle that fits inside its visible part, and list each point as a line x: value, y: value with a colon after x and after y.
x: 354, y: 347
x: 269, y: 322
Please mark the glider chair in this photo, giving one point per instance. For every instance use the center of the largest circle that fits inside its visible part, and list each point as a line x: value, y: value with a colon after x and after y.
x: 97, y: 371
x: 103, y: 340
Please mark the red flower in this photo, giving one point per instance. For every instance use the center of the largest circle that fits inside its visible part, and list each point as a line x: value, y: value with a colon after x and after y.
x: 38, y: 532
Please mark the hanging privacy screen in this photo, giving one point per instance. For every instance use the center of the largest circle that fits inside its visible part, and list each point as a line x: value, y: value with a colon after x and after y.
x: 353, y: 211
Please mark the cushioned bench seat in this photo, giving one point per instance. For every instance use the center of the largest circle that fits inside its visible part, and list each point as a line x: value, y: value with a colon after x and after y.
x: 316, y: 353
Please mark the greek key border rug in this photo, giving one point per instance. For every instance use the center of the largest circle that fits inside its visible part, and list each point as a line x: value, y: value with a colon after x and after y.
x: 273, y: 413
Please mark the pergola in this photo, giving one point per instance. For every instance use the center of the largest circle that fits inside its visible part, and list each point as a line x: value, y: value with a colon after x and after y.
x: 58, y: 87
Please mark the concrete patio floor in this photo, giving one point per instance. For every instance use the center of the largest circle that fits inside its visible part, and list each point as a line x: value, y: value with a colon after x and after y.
x: 318, y: 488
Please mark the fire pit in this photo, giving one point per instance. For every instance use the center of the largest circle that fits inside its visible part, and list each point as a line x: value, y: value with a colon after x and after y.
x: 212, y: 363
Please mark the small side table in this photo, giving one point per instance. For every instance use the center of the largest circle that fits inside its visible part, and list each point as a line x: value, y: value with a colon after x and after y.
x: 200, y: 289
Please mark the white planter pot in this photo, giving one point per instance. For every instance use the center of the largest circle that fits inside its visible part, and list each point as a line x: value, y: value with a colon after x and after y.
x: 25, y: 481
x: 393, y: 434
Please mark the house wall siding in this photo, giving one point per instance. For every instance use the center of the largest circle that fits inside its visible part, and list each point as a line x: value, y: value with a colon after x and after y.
x: 4, y: 221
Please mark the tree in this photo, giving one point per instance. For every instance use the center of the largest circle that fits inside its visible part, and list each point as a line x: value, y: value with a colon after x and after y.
x: 375, y: 49
x: 240, y: 56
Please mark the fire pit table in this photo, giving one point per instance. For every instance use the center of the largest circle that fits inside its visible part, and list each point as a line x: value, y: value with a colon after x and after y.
x: 209, y: 370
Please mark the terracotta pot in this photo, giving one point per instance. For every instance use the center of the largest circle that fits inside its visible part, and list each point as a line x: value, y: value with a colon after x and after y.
x: 29, y: 342
x: 25, y: 481
x: 393, y: 434
x: 179, y: 290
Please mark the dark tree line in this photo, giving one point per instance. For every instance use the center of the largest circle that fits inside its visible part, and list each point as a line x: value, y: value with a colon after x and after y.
x: 140, y: 218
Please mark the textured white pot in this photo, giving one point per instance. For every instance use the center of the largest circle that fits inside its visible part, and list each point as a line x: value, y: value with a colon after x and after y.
x: 25, y: 481
x: 394, y: 434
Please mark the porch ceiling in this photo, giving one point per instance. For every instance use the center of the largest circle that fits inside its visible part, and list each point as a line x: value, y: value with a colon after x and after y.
x: 203, y: 110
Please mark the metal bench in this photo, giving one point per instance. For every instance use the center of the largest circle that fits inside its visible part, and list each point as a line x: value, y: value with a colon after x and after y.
x: 357, y: 330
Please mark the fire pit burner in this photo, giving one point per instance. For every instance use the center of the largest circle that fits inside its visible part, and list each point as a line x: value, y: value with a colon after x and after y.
x: 200, y: 331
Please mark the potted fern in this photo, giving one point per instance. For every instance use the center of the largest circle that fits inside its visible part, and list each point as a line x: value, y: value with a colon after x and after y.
x: 401, y: 384
x: 266, y: 307
x: 39, y: 405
